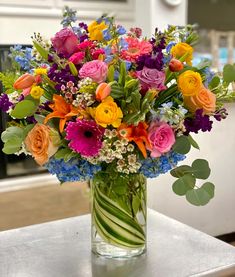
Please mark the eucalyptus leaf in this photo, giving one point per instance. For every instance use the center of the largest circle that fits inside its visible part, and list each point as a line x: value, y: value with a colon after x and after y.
x: 184, y: 184
x: 202, y: 195
x: 229, y: 73
x: 182, y: 145
x: 193, y: 142
x: 201, y: 169
x: 181, y: 171
x: 10, y: 132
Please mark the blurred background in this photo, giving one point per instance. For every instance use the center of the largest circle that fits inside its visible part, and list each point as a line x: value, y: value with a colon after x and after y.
x: 28, y: 195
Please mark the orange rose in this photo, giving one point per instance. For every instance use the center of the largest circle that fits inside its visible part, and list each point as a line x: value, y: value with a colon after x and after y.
x: 205, y: 100
x: 24, y: 81
x: 39, y: 143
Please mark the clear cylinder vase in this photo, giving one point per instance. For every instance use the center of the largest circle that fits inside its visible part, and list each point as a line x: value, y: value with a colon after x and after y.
x: 118, y: 214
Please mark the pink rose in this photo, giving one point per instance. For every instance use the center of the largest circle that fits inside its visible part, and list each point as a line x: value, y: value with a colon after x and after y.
x: 151, y: 78
x: 96, y: 70
x: 65, y: 42
x: 77, y: 58
x: 161, y: 137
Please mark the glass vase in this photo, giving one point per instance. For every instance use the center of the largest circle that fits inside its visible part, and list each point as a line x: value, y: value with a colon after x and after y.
x: 118, y: 212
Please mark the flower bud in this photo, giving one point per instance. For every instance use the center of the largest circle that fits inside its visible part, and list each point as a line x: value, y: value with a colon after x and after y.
x: 175, y: 65
x: 24, y: 81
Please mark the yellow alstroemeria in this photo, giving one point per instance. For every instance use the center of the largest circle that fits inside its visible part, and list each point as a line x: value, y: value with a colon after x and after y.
x: 95, y: 30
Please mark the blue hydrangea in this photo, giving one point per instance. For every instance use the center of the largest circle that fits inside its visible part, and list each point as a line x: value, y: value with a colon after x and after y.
x: 153, y: 167
x: 73, y: 170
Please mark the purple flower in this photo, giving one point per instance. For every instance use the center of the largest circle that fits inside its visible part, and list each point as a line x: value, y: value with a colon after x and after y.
x: 5, y: 103
x: 200, y: 122
x: 85, y: 137
x: 151, y: 78
x: 220, y: 114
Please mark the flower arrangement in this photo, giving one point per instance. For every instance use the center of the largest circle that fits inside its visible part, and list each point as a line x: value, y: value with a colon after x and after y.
x: 98, y: 98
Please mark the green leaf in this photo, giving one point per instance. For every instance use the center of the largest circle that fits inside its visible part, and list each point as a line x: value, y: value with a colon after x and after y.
x: 10, y: 132
x: 42, y: 51
x: 201, y: 169
x: 111, y: 73
x: 193, y: 142
x: 136, y: 204
x: 182, y: 145
x: 229, y: 73
x: 73, y: 69
x: 39, y: 118
x: 181, y: 171
x: 12, y: 145
x: 184, y: 184
x: 27, y: 129
x: 24, y: 108
x: 214, y: 82
x: 202, y: 195
x: 122, y: 75
x: 61, y: 153
x: 116, y: 91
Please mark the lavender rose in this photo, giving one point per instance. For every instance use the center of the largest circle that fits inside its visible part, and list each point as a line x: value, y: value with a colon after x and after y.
x: 65, y: 42
x: 151, y: 78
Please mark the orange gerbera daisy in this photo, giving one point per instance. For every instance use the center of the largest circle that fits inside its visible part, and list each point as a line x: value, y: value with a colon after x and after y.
x: 138, y: 134
x: 61, y: 109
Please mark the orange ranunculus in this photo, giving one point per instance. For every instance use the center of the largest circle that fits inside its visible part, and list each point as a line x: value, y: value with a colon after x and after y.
x: 189, y: 83
x: 205, y: 100
x: 24, y: 81
x: 39, y: 142
x: 138, y: 134
x: 103, y: 90
x: 61, y: 109
x: 183, y: 49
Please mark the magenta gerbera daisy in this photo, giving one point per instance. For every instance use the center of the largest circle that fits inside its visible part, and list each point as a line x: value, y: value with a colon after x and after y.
x: 85, y: 137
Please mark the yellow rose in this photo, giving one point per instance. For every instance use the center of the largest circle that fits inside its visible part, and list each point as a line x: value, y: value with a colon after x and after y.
x: 36, y: 92
x: 189, y: 83
x: 205, y: 100
x: 95, y: 30
x: 107, y: 113
x: 181, y: 49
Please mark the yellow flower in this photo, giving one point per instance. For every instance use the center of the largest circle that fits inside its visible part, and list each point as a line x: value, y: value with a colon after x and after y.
x: 181, y: 49
x: 107, y: 113
x: 95, y: 30
x: 189, y: 83
x: 36, y: 92
x: 40, y: 71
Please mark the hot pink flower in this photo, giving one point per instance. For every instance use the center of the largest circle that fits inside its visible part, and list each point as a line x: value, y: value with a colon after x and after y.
x: 77, y: 58
x: 95, y: 53
x: 96, y: 70
x: 85, y: 44
x: 65, y: 42
x: 161, y: 137
x: 85, y: 137
x: 135, y: 49
x: 151, y: 78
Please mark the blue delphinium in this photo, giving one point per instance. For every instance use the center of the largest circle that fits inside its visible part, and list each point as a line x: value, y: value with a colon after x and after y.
x: 73, y: 170
x: 153, y: 167
x: 69, y: 16
x: 23, y: 56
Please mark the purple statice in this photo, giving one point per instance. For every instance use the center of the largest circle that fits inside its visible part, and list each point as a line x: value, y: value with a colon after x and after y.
x: 5, y: 103
x: 220, y: 114
x: 199, y: 122
x: 60, y: 76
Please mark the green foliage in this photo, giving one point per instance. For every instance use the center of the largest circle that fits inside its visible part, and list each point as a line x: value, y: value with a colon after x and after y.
x: 182, y: 145
x: 202, y: 195
x: 24, y: 108
x: 214, y: 83
x: 110, y: 76
x: 42, y: 51
x: 185, y: 184
x: 73, y: 69
x: 229, y: 73
x: 66, y: 154
x: 8, y: 80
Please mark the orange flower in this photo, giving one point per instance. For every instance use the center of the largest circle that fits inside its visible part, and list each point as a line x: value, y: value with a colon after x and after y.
x: 138, y: 134
x: 103, y: 90
x: 24, y: 81
x: 62, y: 110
